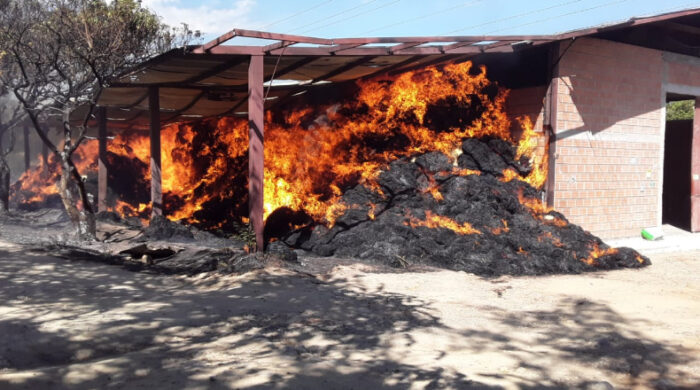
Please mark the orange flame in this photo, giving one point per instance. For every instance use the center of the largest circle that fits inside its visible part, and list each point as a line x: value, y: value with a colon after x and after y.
x: 554, y: 240
x: 39, y: 183
x: 527, y: 146
x: 433, y: 188
x: 295, y: 160
x: 313, y: 154
x: 537, y: 207
x: 438, y: 221
x: 596, y: 252
x: 503, y: 229
x: 372, y: 213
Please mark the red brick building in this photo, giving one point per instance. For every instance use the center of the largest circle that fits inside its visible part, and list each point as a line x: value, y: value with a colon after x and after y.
x: 609, y: 122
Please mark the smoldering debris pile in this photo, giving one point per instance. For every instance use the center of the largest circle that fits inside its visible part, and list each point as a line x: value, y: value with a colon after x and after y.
x: 467, y: 217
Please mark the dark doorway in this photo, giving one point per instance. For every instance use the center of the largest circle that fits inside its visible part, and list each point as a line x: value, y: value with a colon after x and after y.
x: 676, y: 209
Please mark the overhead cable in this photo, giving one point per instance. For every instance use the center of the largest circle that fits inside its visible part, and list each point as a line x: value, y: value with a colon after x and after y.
x: 465, y: 4
x: 353, y: 16
x: 296, y: 14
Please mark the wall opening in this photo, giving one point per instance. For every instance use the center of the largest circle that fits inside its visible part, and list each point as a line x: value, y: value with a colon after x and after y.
x: 676, y: 200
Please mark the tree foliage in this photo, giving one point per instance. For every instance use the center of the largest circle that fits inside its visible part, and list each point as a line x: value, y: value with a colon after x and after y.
x: 57, y: 55
x: 679, y: 110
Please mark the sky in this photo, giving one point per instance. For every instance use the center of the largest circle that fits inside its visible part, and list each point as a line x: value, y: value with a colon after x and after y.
x: 370, y: 18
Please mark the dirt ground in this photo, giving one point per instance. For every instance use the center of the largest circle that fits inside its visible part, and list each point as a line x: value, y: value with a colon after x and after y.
x: 76, y: 324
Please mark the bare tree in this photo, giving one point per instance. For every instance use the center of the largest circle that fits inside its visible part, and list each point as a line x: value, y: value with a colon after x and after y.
x: 11, y: 114
x: 57, y: 55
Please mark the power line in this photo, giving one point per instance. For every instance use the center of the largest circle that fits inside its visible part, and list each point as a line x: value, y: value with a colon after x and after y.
x: 693, y: 4
x: 334, y: 15
x: 296, y: 14
x: 515, y: 16
x: 468, y: 3
x: 352, y: 17
x: 559, y: 16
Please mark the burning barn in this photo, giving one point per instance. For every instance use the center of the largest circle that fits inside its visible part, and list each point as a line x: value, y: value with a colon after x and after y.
x: 453, y: 149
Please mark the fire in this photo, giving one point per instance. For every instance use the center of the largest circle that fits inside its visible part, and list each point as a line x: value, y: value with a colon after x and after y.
x: 32, y: 181
x: 396, y: 111
x: 536, y: 206
x: 527, y: 146
x: 554, y: 220
x: 435, y: 192
x: 182, y: 175
x: 128, y: 210
x: 315, y: 153
x: 510, y: 174
x: 465, y: 172
x: 596, y: 252
x: 372, y: 213
x: 438, y: 221
x: 38, y: 184
x: 503, y: 229
x: 433, y: 188
x: 547, y: 235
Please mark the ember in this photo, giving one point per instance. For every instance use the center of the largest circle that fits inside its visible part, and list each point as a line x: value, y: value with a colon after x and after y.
x: 420, y: 167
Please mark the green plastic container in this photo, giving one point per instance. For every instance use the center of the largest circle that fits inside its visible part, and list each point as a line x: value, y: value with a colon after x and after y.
x: 652, y: 234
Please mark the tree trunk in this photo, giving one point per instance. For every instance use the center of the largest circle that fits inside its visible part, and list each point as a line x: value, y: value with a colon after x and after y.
x: 87, y: 227
x: 4, y: 186
x: 4, y: 177
x: 71, y: 189
x: 68, y: 196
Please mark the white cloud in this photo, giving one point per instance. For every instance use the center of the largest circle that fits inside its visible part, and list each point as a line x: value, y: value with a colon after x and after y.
x: 208, y: 20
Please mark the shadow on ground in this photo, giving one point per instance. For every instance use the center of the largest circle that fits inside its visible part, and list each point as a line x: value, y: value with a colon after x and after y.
x: 84, y: 325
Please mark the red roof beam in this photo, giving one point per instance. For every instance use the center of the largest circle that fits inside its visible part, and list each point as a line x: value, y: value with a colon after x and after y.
x: 336, y: 48
x: 259, y: 35
x: 368, y: 51
x: 443, y: 39
x: 402, y: 46
x: 215, y: 42
x: 629, y: 23
x: 277, y: 45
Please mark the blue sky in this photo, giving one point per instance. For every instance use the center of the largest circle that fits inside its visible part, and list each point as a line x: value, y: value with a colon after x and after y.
x: 358, y: 18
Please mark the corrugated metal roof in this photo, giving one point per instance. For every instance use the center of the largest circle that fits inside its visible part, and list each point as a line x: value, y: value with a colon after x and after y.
x: 211, y: 79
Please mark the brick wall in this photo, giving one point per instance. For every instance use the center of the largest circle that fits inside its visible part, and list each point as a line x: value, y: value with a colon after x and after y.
x: 683, y: 73
x: 609, y: 137
x: 526, y: 102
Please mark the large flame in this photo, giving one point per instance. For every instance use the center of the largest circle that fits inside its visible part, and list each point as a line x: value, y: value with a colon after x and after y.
x: 527, y: 147
x: 313, y: 154
x: 39, y: 184
x: 393, y: 111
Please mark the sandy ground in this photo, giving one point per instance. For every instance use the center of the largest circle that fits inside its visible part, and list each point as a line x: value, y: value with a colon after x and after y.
x: 73, y: 324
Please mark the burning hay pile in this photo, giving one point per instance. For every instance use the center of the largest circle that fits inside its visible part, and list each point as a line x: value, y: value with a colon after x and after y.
x: 466, y: 217
x: 420, y: 167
